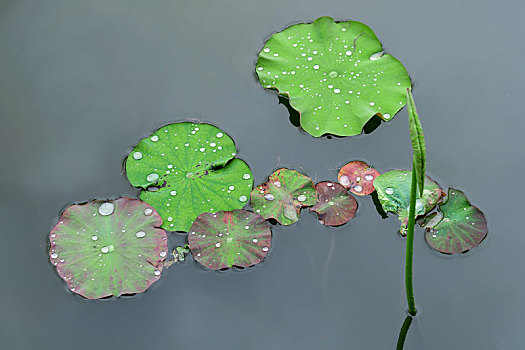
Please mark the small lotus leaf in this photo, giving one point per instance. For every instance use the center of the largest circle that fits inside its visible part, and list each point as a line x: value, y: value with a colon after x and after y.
x: 358, y: 177
x: 335, y: 74
x: 283, y: 196
x: 393, y: 191
x: 229, y: 238
x: 189, y: 169
x: 457, y: 227
x: 108, y: 248
x: 335, y: 206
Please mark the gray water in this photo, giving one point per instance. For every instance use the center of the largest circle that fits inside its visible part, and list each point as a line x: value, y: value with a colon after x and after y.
x: 82, y: 81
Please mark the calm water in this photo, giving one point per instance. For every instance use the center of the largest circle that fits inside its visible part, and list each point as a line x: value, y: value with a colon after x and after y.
x: 82, y: 81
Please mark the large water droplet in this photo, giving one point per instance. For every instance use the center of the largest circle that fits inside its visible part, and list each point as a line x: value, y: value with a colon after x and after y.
x: 243, y: 199
x: 54, y: 256
x: 358, y: 188
x: 246, y: 176
x: 94, y: 238
x: 140, y: 234
x: 104, y: 250
x: 137, y: 155
x: 344, y: 180
x: 152, y: 177
x: 106, y: 208
x: 376, y: 56
x: 154, y: 138
x: 148, y: 211
x: 301, y: 198
x: 269, y: 197
x: 369, y: 177
x: 332, y: 74
x: 389, y: 190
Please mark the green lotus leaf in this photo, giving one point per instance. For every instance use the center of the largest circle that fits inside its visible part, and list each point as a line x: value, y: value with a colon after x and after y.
x: 335, y: 206
x: 187, y: 169
x: 335, y: 74
x: 457, y: 227
x: 358, y: 177
x: 283, y: 196
x: 393, y: 191
x: 108, y: 248
x: 229, y: 238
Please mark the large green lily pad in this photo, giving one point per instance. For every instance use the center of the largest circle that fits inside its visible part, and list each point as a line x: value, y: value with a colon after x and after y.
x: 457, y: 227
x: 283, y: 195
x: 229, y: 238
x: 108, y: 248
x: 393, y: 191
x: 335, y: 206
x: 189, y: 169
x: 335, y: 74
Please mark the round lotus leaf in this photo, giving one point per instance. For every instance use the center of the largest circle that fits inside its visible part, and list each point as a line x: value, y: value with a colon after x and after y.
x: 335, y: 206
x: 393, y: 191
x: 283, y: 196
x: 358, y: 177
x: 457, y: 227
x: 229, y: 238
x: 335, y: 74
x: 108, y: 248
x: 187, y: 169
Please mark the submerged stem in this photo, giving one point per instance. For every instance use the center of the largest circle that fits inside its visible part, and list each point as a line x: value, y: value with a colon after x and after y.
x: 403, y: 333
x: 410, y: 246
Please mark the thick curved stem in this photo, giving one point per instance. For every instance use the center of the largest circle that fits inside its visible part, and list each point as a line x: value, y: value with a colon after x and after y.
x: 403, y: 333
x: 410, y: 246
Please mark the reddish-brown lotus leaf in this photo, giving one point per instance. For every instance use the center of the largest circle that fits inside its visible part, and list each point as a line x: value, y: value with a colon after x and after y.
x: 229, y: 238
x: 335, y: 206
x: 358, y: 177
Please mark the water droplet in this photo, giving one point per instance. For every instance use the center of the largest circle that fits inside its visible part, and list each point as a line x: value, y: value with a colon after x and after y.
x: 246, y: 176
x: 301, y: 198
x: 106, y: 208
x: 54, y: 256
x: 152, y: 177
x: 94, y: 238
x: 266, y: 49
x: 173, y: 193
x: 344, y: 180
x: 277, y: 184
x: 372, y: 104
x: 137, y: 155
x: 162, y: 254
x: 336, y: 91
x: 386, y: 116
x: 376, y: 56
x: 157, y: 273
x: 369, y: 177
x: 265, y: 249
x: 154, y: 138
x: 332, y: 74
x: 231, y: 188
x: 104, y: 250
x: 170, y: 218
x: 218, y: 244
x: 243, y: 199
x: 389, y: 190
x: 255, y: 240
x: 202, y: 149
x: 269, y: 197
x: 148, y: 211
x: 358, y: 188
x: 219, y: 134
x: 140, y: 234
x: 316, y: 66
x: 260, y: 68
x: 349, y: 53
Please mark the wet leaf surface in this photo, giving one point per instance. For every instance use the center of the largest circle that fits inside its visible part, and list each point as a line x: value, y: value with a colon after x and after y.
x: 335, y: 206
x: 335, y: 74
x: 108, y: 248
x: 393, y: 191
x: 283, y: 196
x: 192, y: 169
x: 229, y: 238
x: 457, y: 227
x: 358, y: 177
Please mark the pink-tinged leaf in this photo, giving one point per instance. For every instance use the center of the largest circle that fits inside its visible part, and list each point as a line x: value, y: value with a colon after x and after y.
x: 335, y: 206
x: 358, y: 177
x: 283, y: 196
x: 108, y: 248
x: 457, y: 227
x: 229, y: 238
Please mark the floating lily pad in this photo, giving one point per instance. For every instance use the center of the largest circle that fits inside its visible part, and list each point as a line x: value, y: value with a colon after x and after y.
x: 457, y: 227
x: 283, y: 196
x: 189, y: 169
x: 393, y: 191
x: 358, y: 177
x: 335, y: 74
x: 335, y: 206
x: 229, y: 238
x: 108, y: 248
